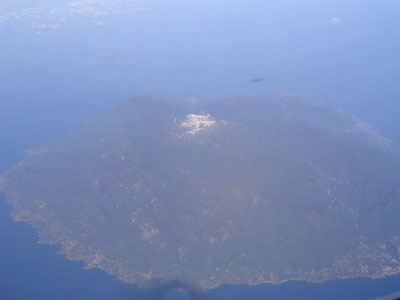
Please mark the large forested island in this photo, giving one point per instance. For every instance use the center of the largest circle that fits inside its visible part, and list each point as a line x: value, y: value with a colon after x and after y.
x: 234, y: 190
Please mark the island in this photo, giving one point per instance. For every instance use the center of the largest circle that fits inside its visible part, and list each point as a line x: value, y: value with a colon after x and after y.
x: 238, y: 190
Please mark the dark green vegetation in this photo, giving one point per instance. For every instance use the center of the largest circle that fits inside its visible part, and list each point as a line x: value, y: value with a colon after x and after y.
x: 237, y: 190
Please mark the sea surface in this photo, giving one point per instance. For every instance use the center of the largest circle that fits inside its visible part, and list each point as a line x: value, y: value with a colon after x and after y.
x: 57, y: 72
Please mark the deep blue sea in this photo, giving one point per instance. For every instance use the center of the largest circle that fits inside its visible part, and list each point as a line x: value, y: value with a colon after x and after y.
x: 52, y: 78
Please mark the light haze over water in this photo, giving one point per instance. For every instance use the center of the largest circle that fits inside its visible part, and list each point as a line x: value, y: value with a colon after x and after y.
x: 63, y: 61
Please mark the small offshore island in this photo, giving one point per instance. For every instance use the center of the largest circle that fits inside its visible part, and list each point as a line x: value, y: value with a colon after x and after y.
x: 235, y: 190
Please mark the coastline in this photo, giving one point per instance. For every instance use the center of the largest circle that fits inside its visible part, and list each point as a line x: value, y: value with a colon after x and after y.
x: 115, y: 268
x: 361, y: 288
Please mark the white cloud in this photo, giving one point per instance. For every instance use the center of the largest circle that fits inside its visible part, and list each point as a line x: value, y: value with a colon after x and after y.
x: 87, y: 10
x: 336, y: 21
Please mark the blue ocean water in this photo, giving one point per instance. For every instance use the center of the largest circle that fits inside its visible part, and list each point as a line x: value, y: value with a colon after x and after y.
x: 53, y: 79
x: 29, y: 270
